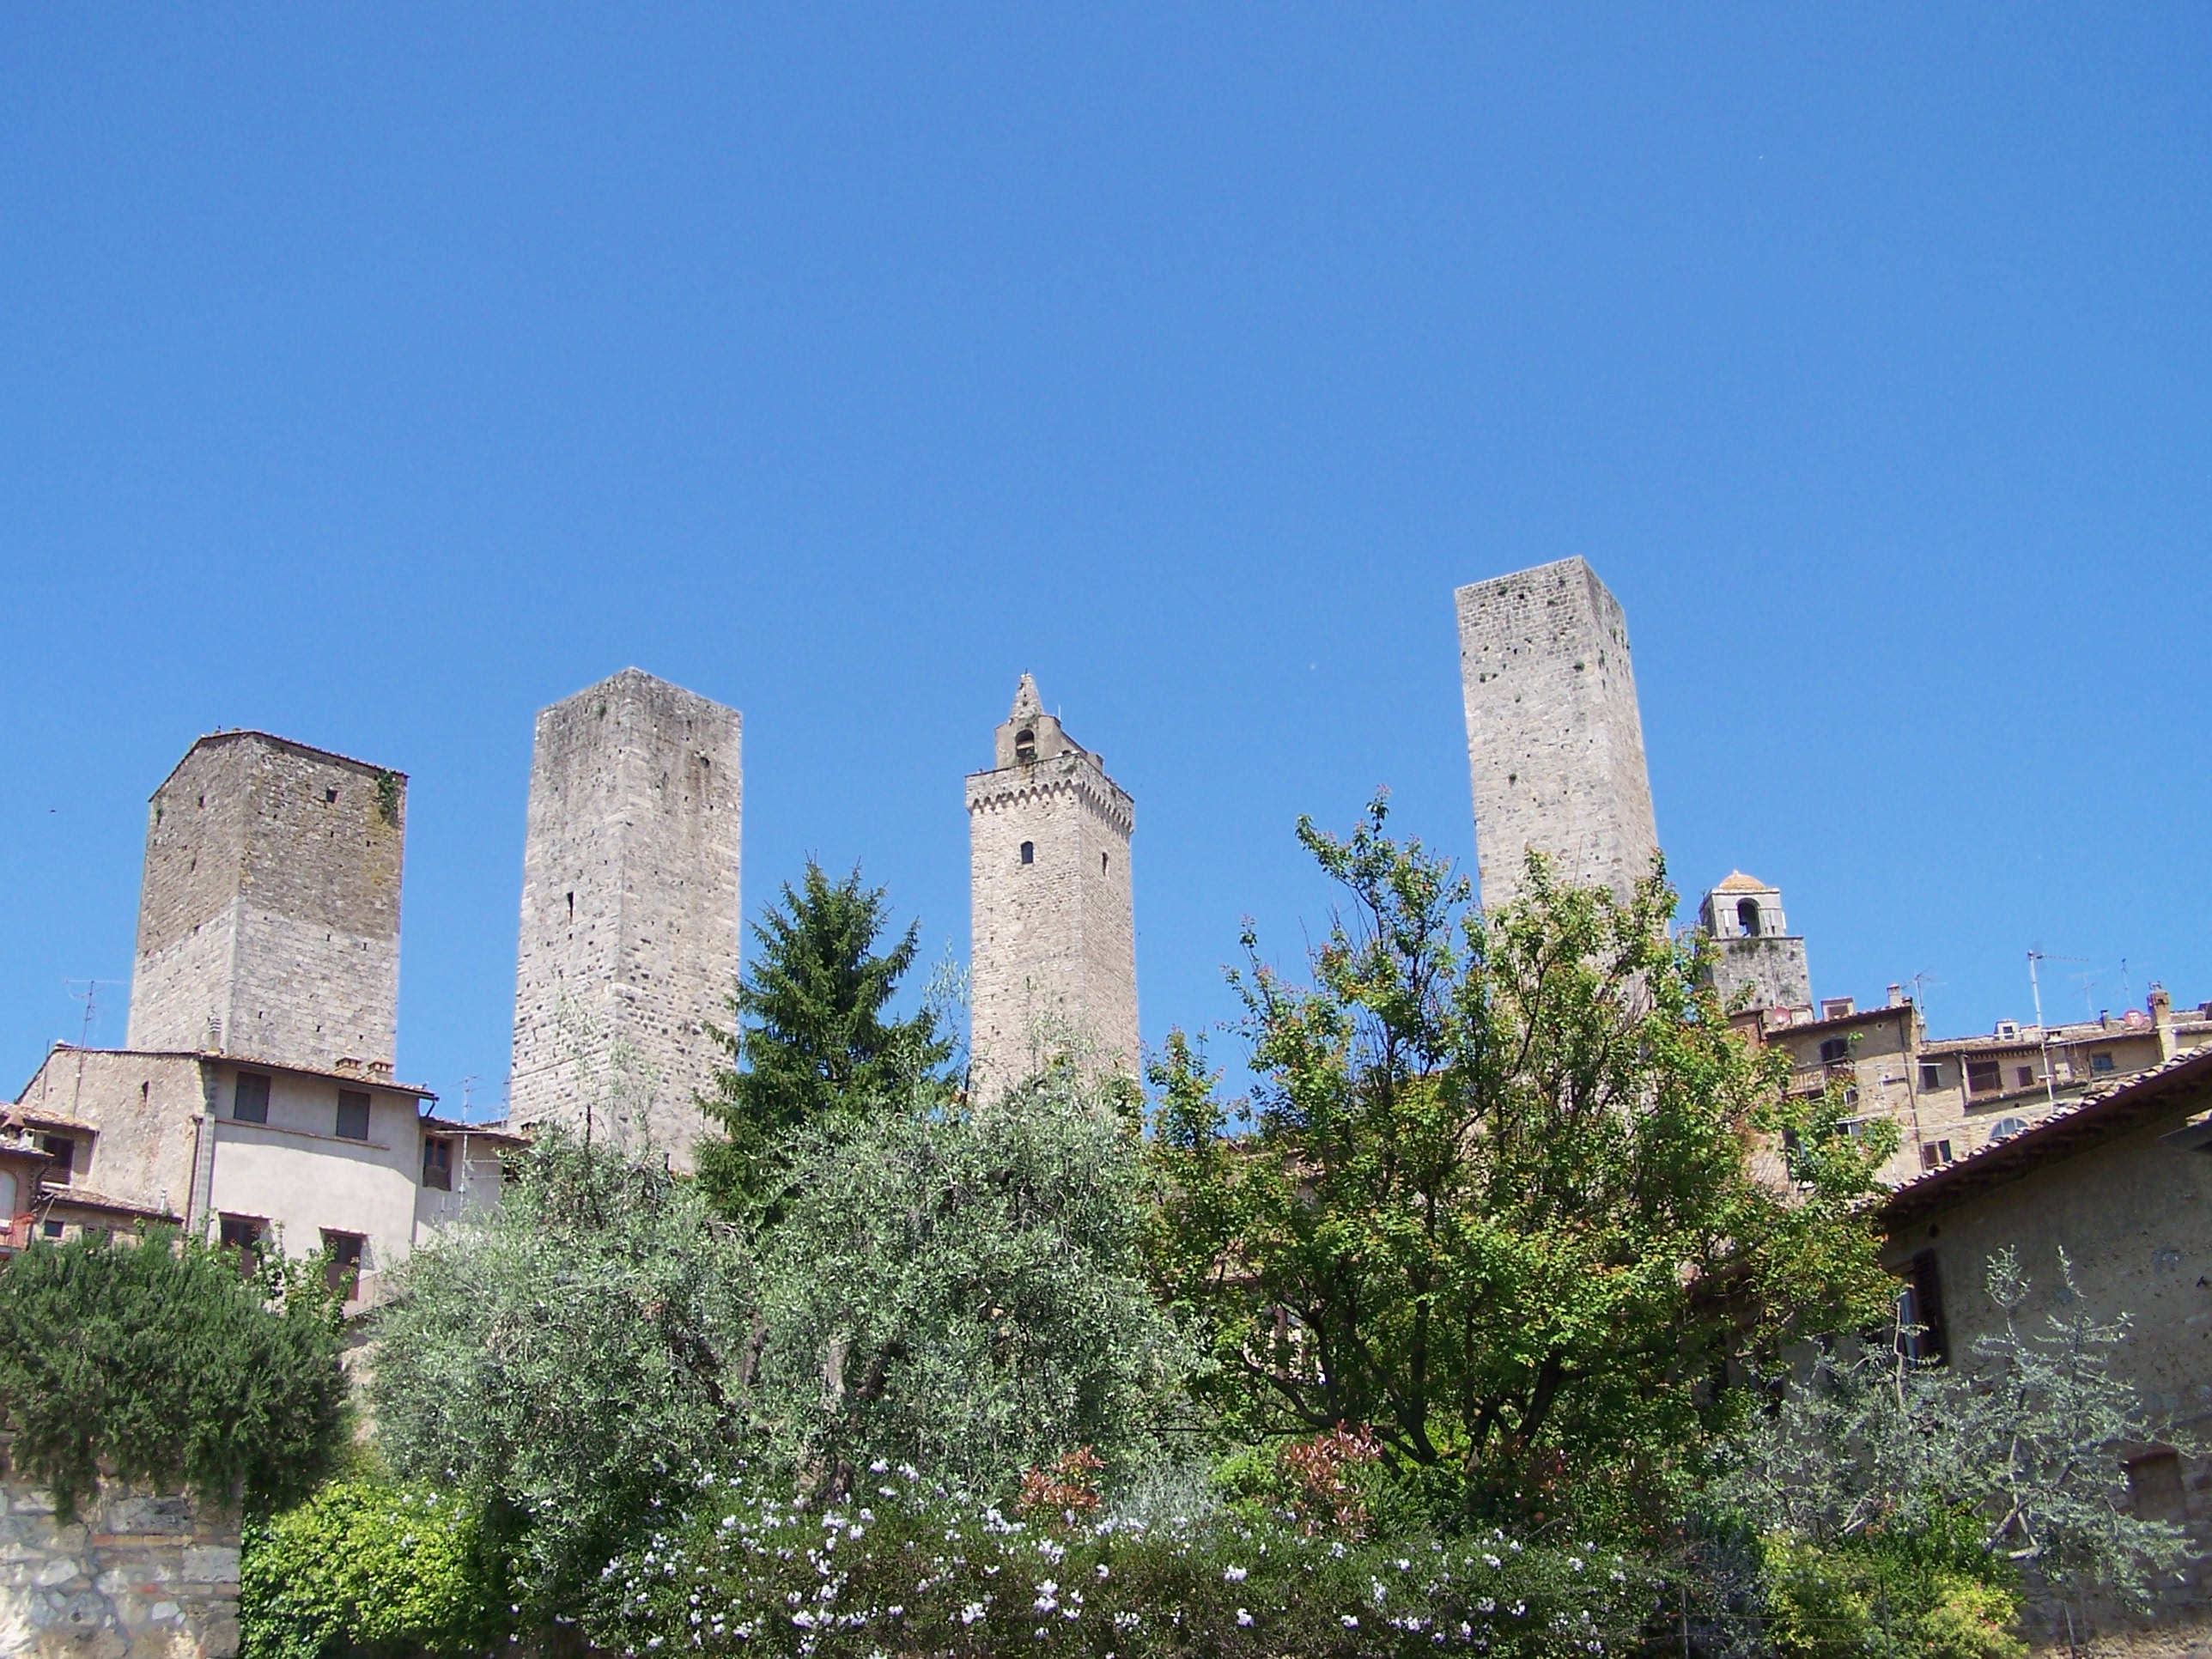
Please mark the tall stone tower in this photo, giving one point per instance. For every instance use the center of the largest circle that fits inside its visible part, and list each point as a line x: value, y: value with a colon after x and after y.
x: 1053, y: 932
x: 630, y: 912
x: 1753, y: 947
x: 269, y: 912
x: 1554, y: 742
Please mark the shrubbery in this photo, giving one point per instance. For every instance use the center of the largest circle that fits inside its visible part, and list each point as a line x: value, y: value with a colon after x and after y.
x: 155, y: 1357
x: 365, y: 1568
x: 906, y: 1565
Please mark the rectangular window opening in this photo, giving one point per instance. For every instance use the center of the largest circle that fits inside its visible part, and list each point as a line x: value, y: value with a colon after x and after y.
x: 438, y: 1162
x: 62, y: 1151
x: 2154, y: 1487
x: 1931, y: 1074
x: 249, y: 1101
x: 1984, y: 1077
x: 353, y: 1115
x: 342, y: 1275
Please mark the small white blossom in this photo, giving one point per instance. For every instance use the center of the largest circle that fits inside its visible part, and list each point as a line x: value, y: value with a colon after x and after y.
x: 1351, y: 1621
x: 1242, y: 1617
x: 1235, y: 1575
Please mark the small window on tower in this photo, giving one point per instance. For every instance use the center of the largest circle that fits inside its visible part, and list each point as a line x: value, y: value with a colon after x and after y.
x: 1931, y: 1074
x: 1102, y: 863
x: 1029, y: 852
x: 1746, y: 915
x: 1025, y: 745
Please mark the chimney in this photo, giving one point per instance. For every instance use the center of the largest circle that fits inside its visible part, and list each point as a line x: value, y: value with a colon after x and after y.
x: 2161, y: 1016
x: 1896, y: 996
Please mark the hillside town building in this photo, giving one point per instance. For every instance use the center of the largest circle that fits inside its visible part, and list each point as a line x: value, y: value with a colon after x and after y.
x: 1052, y: 950
x: 2117, y: 1179
x: 254, y: 1100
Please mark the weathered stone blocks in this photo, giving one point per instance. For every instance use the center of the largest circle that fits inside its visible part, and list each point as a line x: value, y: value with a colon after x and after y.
x: 137, y: 1576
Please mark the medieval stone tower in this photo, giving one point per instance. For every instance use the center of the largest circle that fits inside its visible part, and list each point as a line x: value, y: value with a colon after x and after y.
x: 269, y: 912
x: 1554, y: 742
x: 630, y: 912
x: 1753, y: 947
x: 1052, y: 945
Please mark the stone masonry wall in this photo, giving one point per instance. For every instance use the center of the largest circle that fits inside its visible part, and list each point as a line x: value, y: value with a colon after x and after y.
x: 630, y: 911
x: 269, y: 911
x: 1554, y: 742
x: 1053, y: 942
x: 135, y: 1576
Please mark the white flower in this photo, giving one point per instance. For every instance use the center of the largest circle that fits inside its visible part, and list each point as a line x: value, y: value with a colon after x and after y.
x: 971, y: 1613
x: 879, y: 1466
x: 1518, y: 1608
x: 1242, y: 1617
x: 1235, y: 1575
x: 1574, y: 1564
x: 1491, y: 1561
x: 1351, y: 1621
x: 1101, y: 1570
x: 1485, y: 1605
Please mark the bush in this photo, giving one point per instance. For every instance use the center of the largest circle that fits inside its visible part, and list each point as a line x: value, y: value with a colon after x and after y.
x: 906, y: 1567
x: 157, y: 1358
x: 367, y: 1568
x: 570, y: 1361
x: 1871, y: 1595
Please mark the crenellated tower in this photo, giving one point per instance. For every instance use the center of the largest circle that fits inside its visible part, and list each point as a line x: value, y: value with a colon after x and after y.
x: 1053, y: 932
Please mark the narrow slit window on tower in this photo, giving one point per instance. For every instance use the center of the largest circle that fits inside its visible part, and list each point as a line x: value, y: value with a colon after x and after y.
x: 1102, y: 863
x: 1026, y: 747
x: 1029, y: 852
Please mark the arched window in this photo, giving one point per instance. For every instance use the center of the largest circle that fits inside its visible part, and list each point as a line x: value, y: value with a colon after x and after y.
x: 1029, y: 852
x: 1747, y: 913
x: 1025, y: 745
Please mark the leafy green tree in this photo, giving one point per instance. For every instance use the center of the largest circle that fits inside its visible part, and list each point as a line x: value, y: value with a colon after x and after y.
x: 965, y: 1289
x: 1495, y: 1195
x: 811, y: 1039
x: 157, y: 1358
x: 570, y: 1360
x: 2012, y: 1454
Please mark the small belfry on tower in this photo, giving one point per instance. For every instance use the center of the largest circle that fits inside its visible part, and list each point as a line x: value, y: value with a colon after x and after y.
x: 1052, y: 948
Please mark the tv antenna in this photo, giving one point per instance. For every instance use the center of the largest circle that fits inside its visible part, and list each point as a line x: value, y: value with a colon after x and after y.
x: 2042, y: 1031
x: 90, y: 997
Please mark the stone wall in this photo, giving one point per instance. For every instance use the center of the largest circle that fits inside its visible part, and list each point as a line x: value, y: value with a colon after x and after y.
x: 135, y: 1576
x: 1051, y: 938
x: 268, y: 910
x: 1554, y: 741
x: 630, y: 911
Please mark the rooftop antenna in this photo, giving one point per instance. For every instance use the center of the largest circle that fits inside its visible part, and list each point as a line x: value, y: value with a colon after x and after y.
x: 89, y: 997
x: 468, y: 1084
x: 2042, y: 1031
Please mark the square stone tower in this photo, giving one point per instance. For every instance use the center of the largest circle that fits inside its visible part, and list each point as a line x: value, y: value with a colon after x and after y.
x: 269, y: 912
x: 630, y: 912
x: 1053, y: 936
x: 1554, y: 744
x: 1753, y: 945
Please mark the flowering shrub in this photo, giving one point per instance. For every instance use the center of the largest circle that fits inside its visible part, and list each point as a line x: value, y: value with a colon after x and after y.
x: 904, y: 1566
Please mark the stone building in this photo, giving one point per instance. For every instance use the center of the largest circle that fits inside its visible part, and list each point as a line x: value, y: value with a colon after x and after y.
x: 269, y: 912
x: 1755, y: 956
x: 2118, y: 1179
x: 1554, y: 742
x: 1052, y: 950
x: 1951, y: 1096
x: 630, y: 912
x: 255, y: 1102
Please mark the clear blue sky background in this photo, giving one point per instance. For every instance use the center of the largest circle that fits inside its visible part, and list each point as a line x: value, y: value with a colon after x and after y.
x: 378, y: 374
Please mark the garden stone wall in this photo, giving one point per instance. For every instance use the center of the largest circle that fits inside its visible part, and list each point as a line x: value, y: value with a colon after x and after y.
x: 137, y: 1574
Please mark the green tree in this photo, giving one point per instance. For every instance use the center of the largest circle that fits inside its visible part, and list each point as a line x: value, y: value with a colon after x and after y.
x: 156, y: 1357
x: 965, y: 1289
x: 571, y: 1360
x: 811, y: 1041
x: 1495, y: 1194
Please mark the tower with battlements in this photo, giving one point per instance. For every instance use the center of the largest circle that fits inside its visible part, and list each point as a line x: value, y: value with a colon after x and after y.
x: 630, y: 912
x: 1052, y: 951
x: 1554, y: 744
x: 269, y: 911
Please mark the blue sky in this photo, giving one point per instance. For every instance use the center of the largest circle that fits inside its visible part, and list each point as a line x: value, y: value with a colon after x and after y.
x: 377, y: 375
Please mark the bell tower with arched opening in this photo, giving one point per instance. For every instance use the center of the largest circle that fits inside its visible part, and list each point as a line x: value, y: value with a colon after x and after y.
x: 1052, y: 949
x: 1753, y: 945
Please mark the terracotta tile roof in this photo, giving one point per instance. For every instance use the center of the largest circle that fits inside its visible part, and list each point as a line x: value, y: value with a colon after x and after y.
x: 2183, y: 1083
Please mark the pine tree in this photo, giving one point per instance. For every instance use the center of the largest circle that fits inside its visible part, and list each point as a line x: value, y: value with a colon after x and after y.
x: 811, y: 1041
